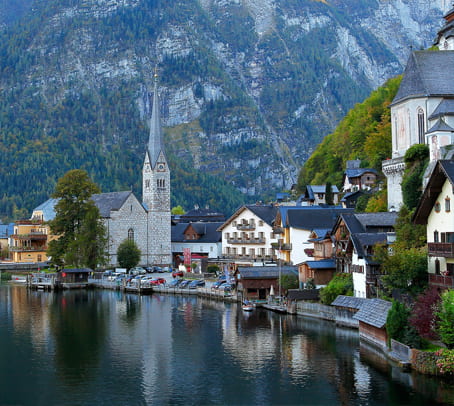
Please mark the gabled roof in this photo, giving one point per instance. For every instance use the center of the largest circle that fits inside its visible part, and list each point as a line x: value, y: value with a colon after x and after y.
x: 200, y: 215
x: 107, y: 202
x: 352, y: 195
x: 206, y: 230
x: 428, y: 73
x: 266, y: 272
x: 374, y: 312
x: 445, y: 108
x: 440, y: 126
x: 357, y: 172
x: 351, y: 302
x: 381, y: 219
x: 311, y: 189
x: 265, y: 212
x: 48, y: 209
x: 444, y: 170
x: 312, y: 217
x: 155, y: 143
x: 364, y: 240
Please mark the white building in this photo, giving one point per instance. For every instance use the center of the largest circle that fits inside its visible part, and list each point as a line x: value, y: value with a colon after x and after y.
x: 423, y: 109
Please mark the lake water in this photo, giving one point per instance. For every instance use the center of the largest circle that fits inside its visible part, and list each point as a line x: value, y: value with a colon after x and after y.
x: 107, y: 348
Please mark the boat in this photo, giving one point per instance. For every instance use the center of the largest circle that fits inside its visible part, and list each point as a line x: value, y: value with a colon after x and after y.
x: 248, y: 307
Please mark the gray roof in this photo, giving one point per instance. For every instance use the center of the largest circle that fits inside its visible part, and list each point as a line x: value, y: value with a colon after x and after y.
x: 364, y: 240
x: 206, y: 230
x: 322, y: 264
x: 313, y: 217
x: 322, y: 188
x: 155, y: 143
x: 357, y: 172
x: 373, y: 220
x: 349, y: 301
x: 428, y: 73
x: 305, y: 294
x: 440, y: 126
x: 48, y: 209
x: 107, y: 202
x: 266, y: 272
x: 445, y: 108
x: 266, y: 212
x: 374, y: 312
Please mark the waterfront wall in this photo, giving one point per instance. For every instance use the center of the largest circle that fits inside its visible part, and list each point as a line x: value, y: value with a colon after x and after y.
x: 316, y: 310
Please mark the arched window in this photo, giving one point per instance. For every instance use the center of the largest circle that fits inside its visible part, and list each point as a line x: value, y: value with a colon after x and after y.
x: 131, y: 234
x: 421, y: 126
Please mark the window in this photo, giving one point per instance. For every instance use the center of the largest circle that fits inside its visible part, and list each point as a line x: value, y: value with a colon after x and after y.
x: 436, y: 236
x: 161, y: 183
x: 447, y: 204
x: 261, y: 223
x: 147, y: 184
x: 437, y: 207
x: 437, y: 267
x: 421, y: 126
x: 131, y: 234
x: 450, y: 269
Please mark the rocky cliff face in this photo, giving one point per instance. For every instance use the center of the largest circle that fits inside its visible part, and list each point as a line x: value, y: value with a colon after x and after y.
x: 248, y: 87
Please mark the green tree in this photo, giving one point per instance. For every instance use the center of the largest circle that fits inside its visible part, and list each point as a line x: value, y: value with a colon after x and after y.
x: 177, y: 210
x: 128, y: 254
x: 341, y: 284
x: 416, y: 159
x: 288, y: 282
x: 73, y: 208
x: 398, y: 326
x: 445, y: 325
x: 329, y: 197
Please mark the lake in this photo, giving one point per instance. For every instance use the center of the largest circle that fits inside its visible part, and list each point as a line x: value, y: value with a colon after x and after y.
x: 101, y: 347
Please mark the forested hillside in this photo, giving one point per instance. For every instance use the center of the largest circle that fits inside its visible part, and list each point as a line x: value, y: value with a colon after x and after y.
x: 248, y: 89
x: 364, y: 133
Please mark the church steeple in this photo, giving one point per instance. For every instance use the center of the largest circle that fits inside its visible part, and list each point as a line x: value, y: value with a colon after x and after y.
x: 155, y: 143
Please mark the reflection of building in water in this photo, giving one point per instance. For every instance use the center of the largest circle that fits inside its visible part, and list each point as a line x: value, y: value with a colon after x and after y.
x: 30, y: 311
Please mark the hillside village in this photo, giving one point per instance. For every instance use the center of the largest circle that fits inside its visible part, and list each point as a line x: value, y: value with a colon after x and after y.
x: 313, y: 236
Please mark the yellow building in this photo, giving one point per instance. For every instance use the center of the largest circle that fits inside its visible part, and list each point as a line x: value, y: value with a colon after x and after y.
x: 29, y: 241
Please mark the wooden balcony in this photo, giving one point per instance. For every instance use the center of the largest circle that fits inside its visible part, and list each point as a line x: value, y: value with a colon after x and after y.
x: 37, y: 236
x: 29, y: 249
x: 440, y: 281
x: 441, y: 249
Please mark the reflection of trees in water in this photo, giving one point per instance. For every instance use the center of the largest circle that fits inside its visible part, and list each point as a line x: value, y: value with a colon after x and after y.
x: 79, y: 325
x: 129, y: 309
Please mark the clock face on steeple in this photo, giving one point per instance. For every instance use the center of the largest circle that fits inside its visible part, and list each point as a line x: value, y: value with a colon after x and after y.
x: 161, y: 166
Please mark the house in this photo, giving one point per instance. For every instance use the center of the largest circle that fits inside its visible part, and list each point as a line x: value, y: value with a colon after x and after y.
x: 434, y: 210
x: 73, y: 278
x: 422, y: 111
x: 346, y: 308
x: 372, y: 322
x: 350, y: 199
x: 356, y: 178
x: 29, y: 240
x: 320, y: 272
x: 248, y: 235
x: 255, y: 282
x: 315, y: 195
x: 355, y: 236
x: 201, y: 239
x: 296, y: 224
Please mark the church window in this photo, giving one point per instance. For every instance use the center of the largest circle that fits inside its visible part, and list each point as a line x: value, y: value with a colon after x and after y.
x: 421, y: 126
x: 161, y: 183
x: 147, y: 184
x: 131, y: 234
x: 447, y: 204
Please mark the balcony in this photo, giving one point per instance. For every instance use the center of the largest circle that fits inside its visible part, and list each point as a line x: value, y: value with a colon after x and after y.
x: 440, y: 281
x: 258, y: 240
x: 282, y: 246
x: 246, y: 226
x: 33, y: 236
x: 278, y: 230
x: 441, y: 249
x: 28, y: 249
x: 245, y: 257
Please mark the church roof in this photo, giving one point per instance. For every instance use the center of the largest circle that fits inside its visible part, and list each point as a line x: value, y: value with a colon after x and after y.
x: 445, y: 108
x: 428, y: 73
x: 155, y: 143
x: 107, y: 202
x: 440, y: 126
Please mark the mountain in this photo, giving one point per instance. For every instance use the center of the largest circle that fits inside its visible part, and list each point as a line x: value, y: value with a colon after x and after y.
x: 248, y: 88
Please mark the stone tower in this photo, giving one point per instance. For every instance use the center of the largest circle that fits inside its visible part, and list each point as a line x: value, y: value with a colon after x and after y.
x: 156, y: 190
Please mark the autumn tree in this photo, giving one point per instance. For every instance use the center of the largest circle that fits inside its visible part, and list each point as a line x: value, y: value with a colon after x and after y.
x: 81, y: 235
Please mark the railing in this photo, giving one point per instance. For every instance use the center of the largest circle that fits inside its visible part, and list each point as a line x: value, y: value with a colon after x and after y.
x: 30, y: 236
x: 19, y: 249
x: 264, y: 258
x: 441, y: 249
x: 257, y: 240
x: 282, y: 247
x: 250, y: 226
x: 441, y: 281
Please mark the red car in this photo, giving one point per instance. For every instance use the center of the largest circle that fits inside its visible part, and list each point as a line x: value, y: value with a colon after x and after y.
x: 157, y: 281
x: 177, y: 273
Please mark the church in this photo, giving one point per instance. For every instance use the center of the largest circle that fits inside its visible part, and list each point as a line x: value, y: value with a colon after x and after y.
x: 422, y: 111
x: 147, y: 223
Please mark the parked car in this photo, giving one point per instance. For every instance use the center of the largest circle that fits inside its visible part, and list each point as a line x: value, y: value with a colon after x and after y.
x: 177, y: 273
x: 217, y: 284
x: 157, y: 281
x: 174, y: 283
x: 184, y: 284
x: 138, y: 270
x: 226, y: 287
x: 196, y: 284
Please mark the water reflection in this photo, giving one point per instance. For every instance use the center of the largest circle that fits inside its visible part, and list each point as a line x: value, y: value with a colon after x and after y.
x: 103, y: 347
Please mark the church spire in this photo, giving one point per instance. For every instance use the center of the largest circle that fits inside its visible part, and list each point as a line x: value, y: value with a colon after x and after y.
x: 155, y: 144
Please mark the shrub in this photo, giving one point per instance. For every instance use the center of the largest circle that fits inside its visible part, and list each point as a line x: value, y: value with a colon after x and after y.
x: 341, y: 284
x: 423, y: 317
x: 445, y: 362
x: 213, y: 269
x: 398, y: 327
x: 446, y: 319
